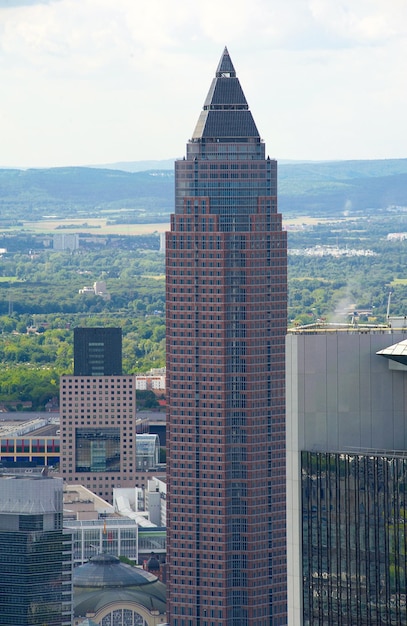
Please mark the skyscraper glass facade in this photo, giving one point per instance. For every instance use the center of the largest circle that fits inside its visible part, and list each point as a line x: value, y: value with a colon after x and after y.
x: 97, y: 351
x: 354, y: 539
x: 97, y: 450
x: 35, y: 553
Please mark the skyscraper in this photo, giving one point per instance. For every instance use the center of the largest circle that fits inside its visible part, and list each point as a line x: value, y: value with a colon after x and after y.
x: 226, y: 323
x: 35, y: 553
x: 97, y: 351
x: 346, y: 475
x: 98, y: 415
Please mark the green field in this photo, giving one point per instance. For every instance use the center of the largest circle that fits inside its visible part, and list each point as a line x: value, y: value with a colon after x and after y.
x: 97, y: 226
x: 100, y: 226
x: 10, y: 279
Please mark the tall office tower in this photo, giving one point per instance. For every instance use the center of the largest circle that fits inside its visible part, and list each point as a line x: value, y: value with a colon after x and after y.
x: 97, y: 351
x: 346, y: 476
x: 226, y: 323
x: 98, y: 415
x: 35, y: 553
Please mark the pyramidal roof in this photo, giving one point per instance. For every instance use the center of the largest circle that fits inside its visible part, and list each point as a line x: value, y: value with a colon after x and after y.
x: 225, y: 113
x: 225, y: 64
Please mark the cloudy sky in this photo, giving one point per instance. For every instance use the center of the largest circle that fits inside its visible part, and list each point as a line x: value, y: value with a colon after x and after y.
x: 100, y: 81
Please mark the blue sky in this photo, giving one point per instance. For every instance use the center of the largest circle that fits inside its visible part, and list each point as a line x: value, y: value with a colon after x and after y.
x: 98, y: 81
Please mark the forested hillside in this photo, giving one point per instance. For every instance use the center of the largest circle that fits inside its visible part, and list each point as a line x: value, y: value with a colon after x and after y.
x: 325, y: 188
x: 61, y: 191
x: 332, y: 188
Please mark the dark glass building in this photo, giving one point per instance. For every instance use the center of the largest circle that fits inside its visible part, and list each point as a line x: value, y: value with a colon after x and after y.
x: 97, y: 351
x: 354, y: 546
x: 35, y: 553
x: 226, y: 322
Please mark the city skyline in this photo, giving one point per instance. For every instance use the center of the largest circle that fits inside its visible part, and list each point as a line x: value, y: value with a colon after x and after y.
x: 80, y: 79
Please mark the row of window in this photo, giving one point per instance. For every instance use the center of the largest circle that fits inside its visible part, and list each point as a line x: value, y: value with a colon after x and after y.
x: 96, y: 394
x: 97, y: 383
x: 225, y: 175
x: 261, y: 165
x: 30, y: 445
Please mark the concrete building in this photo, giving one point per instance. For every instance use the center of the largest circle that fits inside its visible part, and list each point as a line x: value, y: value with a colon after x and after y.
x: 98, y: 289
x: 29, y: 440
x: 156, y: 500
x: 35, y: 553
x: 133, y: 527
x: 98, y: 415
x: 63, y: 242
x: 346, y: 475
x: 226, y: 297
x: 148, y: 506
x: 148, y: 382
x: 162, y: 243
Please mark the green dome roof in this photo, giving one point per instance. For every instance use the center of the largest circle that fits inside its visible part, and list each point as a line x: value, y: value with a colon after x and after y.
x: 106, y: 570
x: 104, y: 580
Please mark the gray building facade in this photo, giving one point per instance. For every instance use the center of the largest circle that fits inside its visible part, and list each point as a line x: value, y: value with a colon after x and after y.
x: 346, y: 476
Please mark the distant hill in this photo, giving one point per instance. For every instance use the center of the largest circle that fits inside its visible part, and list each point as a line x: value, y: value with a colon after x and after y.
x: 330, y: 187
x: 138, y: 166
x: 312, y: 188
x: 63, y: 191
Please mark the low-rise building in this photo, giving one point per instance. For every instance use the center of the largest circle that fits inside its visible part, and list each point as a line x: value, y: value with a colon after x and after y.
x: 133, y: 528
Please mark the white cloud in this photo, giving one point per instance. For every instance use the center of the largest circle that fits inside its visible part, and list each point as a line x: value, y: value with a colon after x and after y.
x: 13, y: 4
x: 362, y: 21
x: 103, y: 80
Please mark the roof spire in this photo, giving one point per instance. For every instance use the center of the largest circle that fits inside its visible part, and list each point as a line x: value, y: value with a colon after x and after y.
x: 225, y: 111
x: 225, y: 68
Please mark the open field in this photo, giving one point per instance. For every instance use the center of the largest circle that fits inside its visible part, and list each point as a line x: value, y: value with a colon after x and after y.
x: 399, y: 281
x: 10, y: 279
x: 95, y: 226
x: 100, y: 226
x: 307, y: 220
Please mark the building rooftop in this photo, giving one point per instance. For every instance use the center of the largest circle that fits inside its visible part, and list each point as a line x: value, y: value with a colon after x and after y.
x: 30, y: 494
x: 397, y: 352
x: 21, y: 424
x: 77, y: 495
x: 106, y: 570
x: 225, y: 113
x: 352, y: 328
x: 104, y: 581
